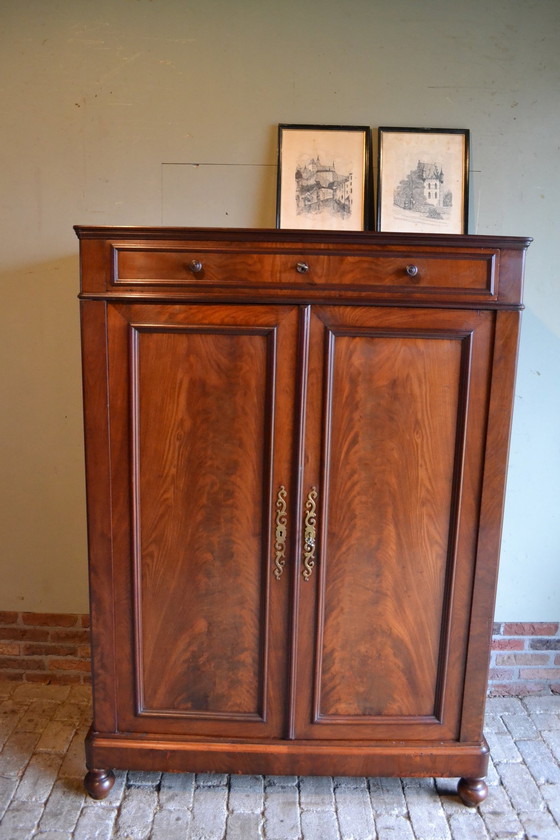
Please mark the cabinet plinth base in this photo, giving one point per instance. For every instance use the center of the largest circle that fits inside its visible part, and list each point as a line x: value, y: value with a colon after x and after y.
x: 98, y: 783
x: 472, y: 791
x: 128, y: 752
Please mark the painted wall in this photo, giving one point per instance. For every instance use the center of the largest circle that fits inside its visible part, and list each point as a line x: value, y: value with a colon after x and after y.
x: 165, y: 111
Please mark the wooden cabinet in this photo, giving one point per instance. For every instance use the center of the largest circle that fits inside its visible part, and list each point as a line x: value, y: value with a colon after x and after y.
x: 296, y: 447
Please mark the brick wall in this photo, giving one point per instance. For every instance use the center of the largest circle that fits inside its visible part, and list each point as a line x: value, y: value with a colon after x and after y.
x: 525, y: 659
x: 54, y: 648
x: 44, y: 647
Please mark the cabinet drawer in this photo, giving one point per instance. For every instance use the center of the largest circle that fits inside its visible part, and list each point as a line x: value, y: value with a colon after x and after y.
x: 192, y: 263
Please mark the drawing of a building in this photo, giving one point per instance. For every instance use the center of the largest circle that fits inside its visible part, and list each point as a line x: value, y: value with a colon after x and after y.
x: 320, y: 187
x: 432, y: 177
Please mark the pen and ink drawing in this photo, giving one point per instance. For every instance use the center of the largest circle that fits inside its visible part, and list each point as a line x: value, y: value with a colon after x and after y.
x: 322, y: 187
x: 423, y: 191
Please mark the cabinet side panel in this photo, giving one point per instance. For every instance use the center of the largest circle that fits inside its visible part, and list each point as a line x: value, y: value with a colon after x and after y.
x: 491, y: 515
x: 199, y: 407
x: 100, y: 547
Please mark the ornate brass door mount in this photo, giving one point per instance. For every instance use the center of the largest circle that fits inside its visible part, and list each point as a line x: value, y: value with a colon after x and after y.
x: 310, y: 533
x: 281, y: 532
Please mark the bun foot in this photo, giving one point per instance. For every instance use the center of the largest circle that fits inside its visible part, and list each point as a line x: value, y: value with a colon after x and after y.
x: 472, y: 791
x: 98, y: 783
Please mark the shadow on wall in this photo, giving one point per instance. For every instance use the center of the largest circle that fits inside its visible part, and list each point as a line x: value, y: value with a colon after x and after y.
x: 218, y: 195
x: 529, y: 586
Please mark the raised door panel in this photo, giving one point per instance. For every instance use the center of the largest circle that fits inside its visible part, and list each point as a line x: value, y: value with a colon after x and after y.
x: 199, y: 446
x: 395, y: 435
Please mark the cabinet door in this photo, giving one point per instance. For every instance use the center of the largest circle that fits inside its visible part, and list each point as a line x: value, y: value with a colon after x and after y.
x: 395, y: 435
x: 201, y: 439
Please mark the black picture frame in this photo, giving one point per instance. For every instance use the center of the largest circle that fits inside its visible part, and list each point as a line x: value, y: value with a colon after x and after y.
x: 423, y: 180
x: 324, y: 177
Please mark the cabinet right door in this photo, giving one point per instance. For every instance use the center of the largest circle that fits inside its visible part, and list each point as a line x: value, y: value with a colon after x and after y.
x: 394, y: 439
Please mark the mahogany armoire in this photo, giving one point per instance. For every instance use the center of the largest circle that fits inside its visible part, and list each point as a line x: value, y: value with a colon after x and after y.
x: 296, y: 448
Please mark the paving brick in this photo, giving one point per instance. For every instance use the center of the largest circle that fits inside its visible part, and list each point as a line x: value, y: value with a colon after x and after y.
x: 494, y: 723
x: 7, y: 790
x: 69, y: 713
x: 32, y: 691
x: 39, y: 777
x: 281, y: 812
x: 211, y: 779
x: 63, y: 807
x: 209, y: 812
x: 552, y: 738
x: 500, y: 818
x: 520, y: 726
x: 425, y: 810
x: 43, y: 709
x: 6, y: 688
x: 540, y: 825
x: 20, y: 820
x: 502, y: 748
x: 545, y: 721
x: 171, y: 825
x: 56, y: 737
x: 243, y: 826
x: 393, y: 828
x: 387, y: 796
x: 17, y: 752
x: 550, y: 704
x: 504, y: 706
x: 80, y: 694
x: 143, y: 778
x: 520, y: 787
x: 246, y: 794
x: 492, y: 777
x: 281, y: 781
x: 551, y: 795
x: 355, y: 814
x: 540, y: 761
x: 8, y: 725
x: 176, y: 790
x: 356, y: 782
x: 74, y: 762
x: 467, y: 825
x: 136, y: 815
x: 319, y: 825
x: 95, y: 823
x: 316, y: 793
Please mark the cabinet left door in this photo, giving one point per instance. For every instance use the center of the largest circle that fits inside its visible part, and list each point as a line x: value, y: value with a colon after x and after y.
x: 189, y: 619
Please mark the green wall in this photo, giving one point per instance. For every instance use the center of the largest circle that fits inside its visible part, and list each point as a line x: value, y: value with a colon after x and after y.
x: 165, y: 111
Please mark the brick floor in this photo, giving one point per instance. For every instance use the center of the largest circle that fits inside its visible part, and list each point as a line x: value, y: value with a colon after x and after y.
x: 41, y: 796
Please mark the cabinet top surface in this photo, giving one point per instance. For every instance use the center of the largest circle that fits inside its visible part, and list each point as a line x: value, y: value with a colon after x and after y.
x: 131, y: 232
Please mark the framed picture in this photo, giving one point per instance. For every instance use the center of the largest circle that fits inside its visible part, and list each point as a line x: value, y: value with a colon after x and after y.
x: 323, y: 177
x: 423, y: 180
